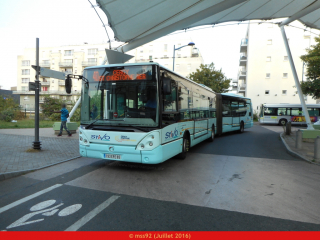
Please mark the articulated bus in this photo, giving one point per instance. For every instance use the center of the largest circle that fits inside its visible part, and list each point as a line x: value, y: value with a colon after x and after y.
x: 282, y: 113
x: 145, y: 113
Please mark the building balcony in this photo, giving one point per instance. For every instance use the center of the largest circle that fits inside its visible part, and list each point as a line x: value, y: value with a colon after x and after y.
x: 234, y: 81
x: 87, y: 64
x: 242, y: 75
x: 45, y: 64
x: 195, y: 55
x: 243, y: 61
x: 62, y: 83
x: 65, y: 64
x: 45, y: 83
x: 50, y: 92
x: 244, y: 45
x: 242, y: 87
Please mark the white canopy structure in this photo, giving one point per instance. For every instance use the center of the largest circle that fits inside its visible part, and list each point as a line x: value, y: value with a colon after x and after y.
x: 137, y: 22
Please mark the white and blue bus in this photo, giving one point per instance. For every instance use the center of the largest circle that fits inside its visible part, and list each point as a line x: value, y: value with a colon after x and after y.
x: 145, y: 113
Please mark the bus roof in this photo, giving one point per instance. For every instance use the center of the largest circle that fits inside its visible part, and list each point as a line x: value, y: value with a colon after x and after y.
x: 289, y: 105
x: 234, y: 95
x: 150, y: 63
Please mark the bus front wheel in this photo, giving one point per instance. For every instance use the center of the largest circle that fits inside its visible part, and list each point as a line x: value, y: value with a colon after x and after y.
x: 185, y: 147
x: 283, y: 122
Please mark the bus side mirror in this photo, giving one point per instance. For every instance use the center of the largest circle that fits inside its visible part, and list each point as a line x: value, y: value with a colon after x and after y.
x: 68, y: 85
x: 166, y: 86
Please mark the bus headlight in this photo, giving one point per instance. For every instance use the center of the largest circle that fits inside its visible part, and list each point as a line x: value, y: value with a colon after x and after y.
x: 150, y: 141
x: 85, y: 141
x: 81, y: 139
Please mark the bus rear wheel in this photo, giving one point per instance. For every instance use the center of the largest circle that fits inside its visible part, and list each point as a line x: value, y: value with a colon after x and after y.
x: 241, y: 130
x: 212, y: 135
x: 185, y: 147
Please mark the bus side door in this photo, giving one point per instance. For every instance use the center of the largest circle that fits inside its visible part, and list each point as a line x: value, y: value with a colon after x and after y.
x: 226, y: 116
x: 235, y: 114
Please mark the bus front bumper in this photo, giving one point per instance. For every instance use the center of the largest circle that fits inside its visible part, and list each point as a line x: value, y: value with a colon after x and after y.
x: 127, y: 153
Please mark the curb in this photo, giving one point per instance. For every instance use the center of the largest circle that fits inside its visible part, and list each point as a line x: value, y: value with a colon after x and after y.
x: 5, y: 176
x: 292, y: 153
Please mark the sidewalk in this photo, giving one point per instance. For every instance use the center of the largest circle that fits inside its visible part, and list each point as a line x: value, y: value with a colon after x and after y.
x: 17, y: 156
x: 306, y: 152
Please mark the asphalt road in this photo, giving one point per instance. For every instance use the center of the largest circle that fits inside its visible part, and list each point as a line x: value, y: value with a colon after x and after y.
x: 239, y: 182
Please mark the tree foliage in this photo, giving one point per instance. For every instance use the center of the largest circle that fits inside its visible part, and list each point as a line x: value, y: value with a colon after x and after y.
x: 312, y: 59
x: 52, y: 104
x: 211, y: 77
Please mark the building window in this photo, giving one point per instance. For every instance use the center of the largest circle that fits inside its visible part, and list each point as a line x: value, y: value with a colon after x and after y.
x: 24, y: 88
x: 68, y: 52
x: 141, y: 58
x: 46, y: 62
x: 267, y: 75
x: 165, y: 56
x: 92, y: 51
x: 141, y: 50
x: 150, y: 58
x: 285, y: 75
x: 92, y: 60
x: 25, y: 80
x: 26, y: 63
x: 266, y: 92
x: 269, y: 59
x: 284, y: 92
x: 25, y: 71
x: 26, y: 98
x: 269, y: 42
x: 165, y: 47
x: 44, y: 89
x: 285, y: 58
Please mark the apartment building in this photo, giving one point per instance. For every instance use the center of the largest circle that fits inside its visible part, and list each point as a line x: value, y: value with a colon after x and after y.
x: 264, y: 72
x: 73, y: 59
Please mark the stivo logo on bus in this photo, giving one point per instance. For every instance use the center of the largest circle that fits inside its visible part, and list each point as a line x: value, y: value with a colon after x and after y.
x: 103, y: 138
x: 172, y: 134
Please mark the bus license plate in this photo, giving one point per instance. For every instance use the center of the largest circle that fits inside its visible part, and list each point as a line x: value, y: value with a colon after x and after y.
x: 112, y: 156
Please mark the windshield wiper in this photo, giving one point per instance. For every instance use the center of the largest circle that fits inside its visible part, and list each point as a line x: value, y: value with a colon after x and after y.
x: 103, y: 120
x: 139, y: 128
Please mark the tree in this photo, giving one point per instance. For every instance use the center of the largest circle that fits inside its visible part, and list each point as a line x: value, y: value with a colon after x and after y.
x: 312, y: 59
x: 212, y: 78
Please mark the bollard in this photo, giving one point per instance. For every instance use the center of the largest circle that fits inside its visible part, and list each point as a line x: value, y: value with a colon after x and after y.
x: 299, y: 139
x: 317, y: 148
x: 288, y: 128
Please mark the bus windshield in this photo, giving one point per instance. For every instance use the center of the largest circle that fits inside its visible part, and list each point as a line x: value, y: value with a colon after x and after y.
x: 120, y: 96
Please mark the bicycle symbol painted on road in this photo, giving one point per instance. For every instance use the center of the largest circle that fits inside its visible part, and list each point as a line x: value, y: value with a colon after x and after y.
x: 42, y: 208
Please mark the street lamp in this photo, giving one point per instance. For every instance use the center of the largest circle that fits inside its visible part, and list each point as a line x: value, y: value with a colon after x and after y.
x: 174, y: 51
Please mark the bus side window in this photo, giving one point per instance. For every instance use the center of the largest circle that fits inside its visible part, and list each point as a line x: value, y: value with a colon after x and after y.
x: 226, y: 108
x: 295, y: 112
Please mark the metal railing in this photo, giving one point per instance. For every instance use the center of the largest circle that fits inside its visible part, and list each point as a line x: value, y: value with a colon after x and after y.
x: 45, y: 83
x: 86, y: 63
x: 45, y: 64
x: 62, y: 83
x: 242, y: 73
x: 65, y: 64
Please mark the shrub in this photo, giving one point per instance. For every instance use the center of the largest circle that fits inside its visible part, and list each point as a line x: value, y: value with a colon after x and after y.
x: 7, y: 115
x: 255, y: 116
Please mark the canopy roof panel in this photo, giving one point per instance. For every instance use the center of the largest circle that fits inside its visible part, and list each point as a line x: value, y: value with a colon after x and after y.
x: 144, y: 19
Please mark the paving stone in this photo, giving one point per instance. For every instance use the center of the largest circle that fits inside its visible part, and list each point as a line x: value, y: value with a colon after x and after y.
x: 14, y: 157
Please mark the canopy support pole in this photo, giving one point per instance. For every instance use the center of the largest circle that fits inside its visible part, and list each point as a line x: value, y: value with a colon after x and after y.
x: 296, y: 79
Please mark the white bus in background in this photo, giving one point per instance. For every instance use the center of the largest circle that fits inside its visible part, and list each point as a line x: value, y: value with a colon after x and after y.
x: 282, y: 113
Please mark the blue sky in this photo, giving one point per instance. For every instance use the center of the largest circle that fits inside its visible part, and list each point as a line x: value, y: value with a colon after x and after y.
x: 66, y: 22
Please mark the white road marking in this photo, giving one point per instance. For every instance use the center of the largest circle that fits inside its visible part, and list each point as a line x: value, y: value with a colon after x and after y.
x: 69, y: 210
x: 42, y: 205
x: 16, y: 203
x: 92, y: 214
